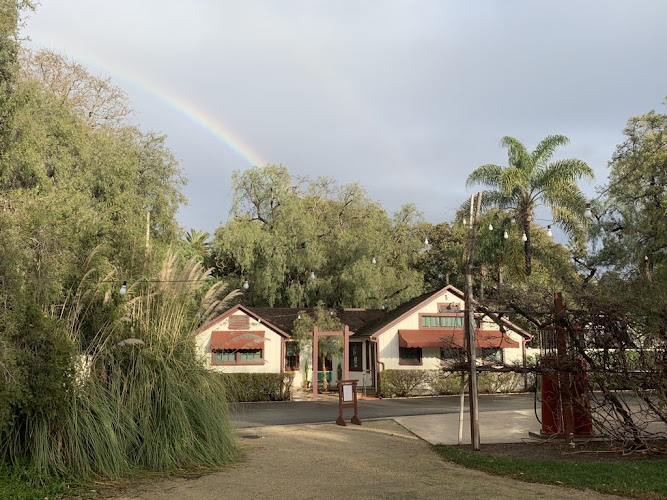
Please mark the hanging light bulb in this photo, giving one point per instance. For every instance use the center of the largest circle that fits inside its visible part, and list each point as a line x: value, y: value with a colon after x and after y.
x: 513, y: 220
x: 524, y: 237
x: 123, y: 288
x: 588, y: 213
x: 312, y: 275
x: 246, y: 285
x: 465, y: 222
x: 505, y: 235
x: 426, y: 241
x: 374, y: 261
x: 490, y: 227
x: 550, y: 234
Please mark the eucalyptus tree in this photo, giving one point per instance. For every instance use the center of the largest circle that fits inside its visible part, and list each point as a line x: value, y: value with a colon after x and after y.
x: 531, y: 180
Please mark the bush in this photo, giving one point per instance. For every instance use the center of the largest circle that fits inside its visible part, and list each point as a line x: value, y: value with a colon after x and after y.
x: 403, y: 383
x: 248, y: 387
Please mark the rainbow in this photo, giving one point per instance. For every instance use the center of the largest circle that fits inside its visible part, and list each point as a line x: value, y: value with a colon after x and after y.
x: 189, y: 109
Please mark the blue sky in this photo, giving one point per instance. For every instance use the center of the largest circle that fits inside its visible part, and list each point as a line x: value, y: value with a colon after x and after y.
x: 405, y: 97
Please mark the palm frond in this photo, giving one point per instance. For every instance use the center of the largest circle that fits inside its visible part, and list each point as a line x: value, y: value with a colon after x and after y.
x: 517, y: 154
x: 487, y: 175
x: 563, y: 171
x: 514, y: 181
x: 545, y: 149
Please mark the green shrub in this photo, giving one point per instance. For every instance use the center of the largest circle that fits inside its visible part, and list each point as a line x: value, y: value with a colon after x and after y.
x: 403, y: 383
x: 446, y: 383
x: 248, y: 387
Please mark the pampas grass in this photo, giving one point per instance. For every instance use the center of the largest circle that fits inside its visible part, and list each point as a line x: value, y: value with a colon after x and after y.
x: 141, y: 399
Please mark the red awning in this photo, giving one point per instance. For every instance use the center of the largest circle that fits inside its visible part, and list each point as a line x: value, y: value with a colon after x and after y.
x: 450, y: 337
x: 237, y: 340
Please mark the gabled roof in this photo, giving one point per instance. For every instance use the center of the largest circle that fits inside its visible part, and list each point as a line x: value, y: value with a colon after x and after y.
x: 284, y: 317
x: 412, y: 306
x: 249, y: 312
x: 281, y: 319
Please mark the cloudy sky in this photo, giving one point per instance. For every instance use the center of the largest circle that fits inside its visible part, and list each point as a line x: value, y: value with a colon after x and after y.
x: 404, y: 97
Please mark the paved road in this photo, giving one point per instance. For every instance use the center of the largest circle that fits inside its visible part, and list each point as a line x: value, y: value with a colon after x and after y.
x: 309, y: 412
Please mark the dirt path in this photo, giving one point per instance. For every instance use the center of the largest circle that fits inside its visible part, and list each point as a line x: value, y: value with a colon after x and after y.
x: 380, y: 459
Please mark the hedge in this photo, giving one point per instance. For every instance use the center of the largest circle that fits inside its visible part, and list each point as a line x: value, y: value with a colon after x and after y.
x: 248, y: 387
x: 401, y: 383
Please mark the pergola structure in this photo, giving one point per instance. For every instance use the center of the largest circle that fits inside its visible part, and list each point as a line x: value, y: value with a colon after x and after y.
x: 346, y: 333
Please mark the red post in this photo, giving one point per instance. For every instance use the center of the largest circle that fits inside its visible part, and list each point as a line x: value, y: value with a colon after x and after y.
x: 346, y: 352
x: 564, y: 367
x: 315, y: 365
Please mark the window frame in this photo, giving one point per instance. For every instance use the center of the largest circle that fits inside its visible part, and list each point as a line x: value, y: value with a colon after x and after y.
x: 422, y: 316
x: 411, y: 362
x: 360, y: 366
x: 288, y: 367
x: 257, y: 361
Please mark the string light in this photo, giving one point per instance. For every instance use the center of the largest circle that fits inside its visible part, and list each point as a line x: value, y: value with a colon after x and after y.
x: 123, y: 288
x: 490, y: 227
x: 550, y: 234
x: 374, y: 261
x: 505, y: 235
x: 312, y: 275
x: 524, y: 237
x: 588, y: 213
x: 246, y: 285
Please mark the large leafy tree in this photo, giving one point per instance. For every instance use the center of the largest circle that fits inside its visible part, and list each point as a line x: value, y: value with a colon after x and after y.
x: 298, y: 242
x: 531, y: 180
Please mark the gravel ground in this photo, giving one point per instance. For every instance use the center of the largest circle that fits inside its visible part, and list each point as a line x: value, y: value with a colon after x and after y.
x: 379, y: 459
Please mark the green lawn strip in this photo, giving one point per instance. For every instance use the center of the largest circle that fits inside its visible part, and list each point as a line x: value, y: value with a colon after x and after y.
x: 15, y: 483
x: 642, y: 479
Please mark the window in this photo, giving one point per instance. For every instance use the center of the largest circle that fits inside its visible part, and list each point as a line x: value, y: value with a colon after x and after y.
x: 239, y: 322
x: 236, y: 356
x: 291, y: 356
x: 355, y: 356
x: 442, y: 321
x: 250, y: 354
x: 328, y: 363
x: 409, y: 355
x: 491, y: 354
x: 454, y: 354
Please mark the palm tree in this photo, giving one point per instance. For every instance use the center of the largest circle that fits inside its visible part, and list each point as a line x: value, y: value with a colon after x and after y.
x: 530, y: 181
x: 199, y: 241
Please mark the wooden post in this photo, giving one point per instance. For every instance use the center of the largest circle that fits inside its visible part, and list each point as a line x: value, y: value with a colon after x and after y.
x: 469, y: 322
x: 346, y: 352
x: 315, y: 360
x: 564, y: 367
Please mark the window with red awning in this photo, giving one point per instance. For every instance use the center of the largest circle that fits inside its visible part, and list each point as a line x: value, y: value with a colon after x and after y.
x: 453, y: 338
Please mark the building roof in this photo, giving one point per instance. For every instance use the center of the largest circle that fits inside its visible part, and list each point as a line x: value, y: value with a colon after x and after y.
x: 284, y: 317
x: 363, y: 322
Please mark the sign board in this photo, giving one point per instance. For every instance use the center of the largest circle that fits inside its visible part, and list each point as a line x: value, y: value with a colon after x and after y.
x: 348, y: 394
x: 347, y: 398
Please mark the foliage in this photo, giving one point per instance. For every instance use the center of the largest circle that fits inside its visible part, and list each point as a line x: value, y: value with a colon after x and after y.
x: 642, y: 479
x: 247, y: 387
x: 326, y: 320
x: 530, y: 180
x: 632, y: 226
x: 141, y: 397
x: 403, y: 383
x: 298, y: 242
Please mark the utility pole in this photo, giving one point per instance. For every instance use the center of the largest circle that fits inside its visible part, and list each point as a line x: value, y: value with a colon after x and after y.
x: 469, y: 322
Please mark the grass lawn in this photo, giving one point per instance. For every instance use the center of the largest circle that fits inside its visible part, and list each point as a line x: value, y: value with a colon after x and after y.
x: 639, y: 478
x: 15, y: 484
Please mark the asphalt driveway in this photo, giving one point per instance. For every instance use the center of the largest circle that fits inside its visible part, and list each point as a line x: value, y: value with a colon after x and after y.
x: 263, y: 414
